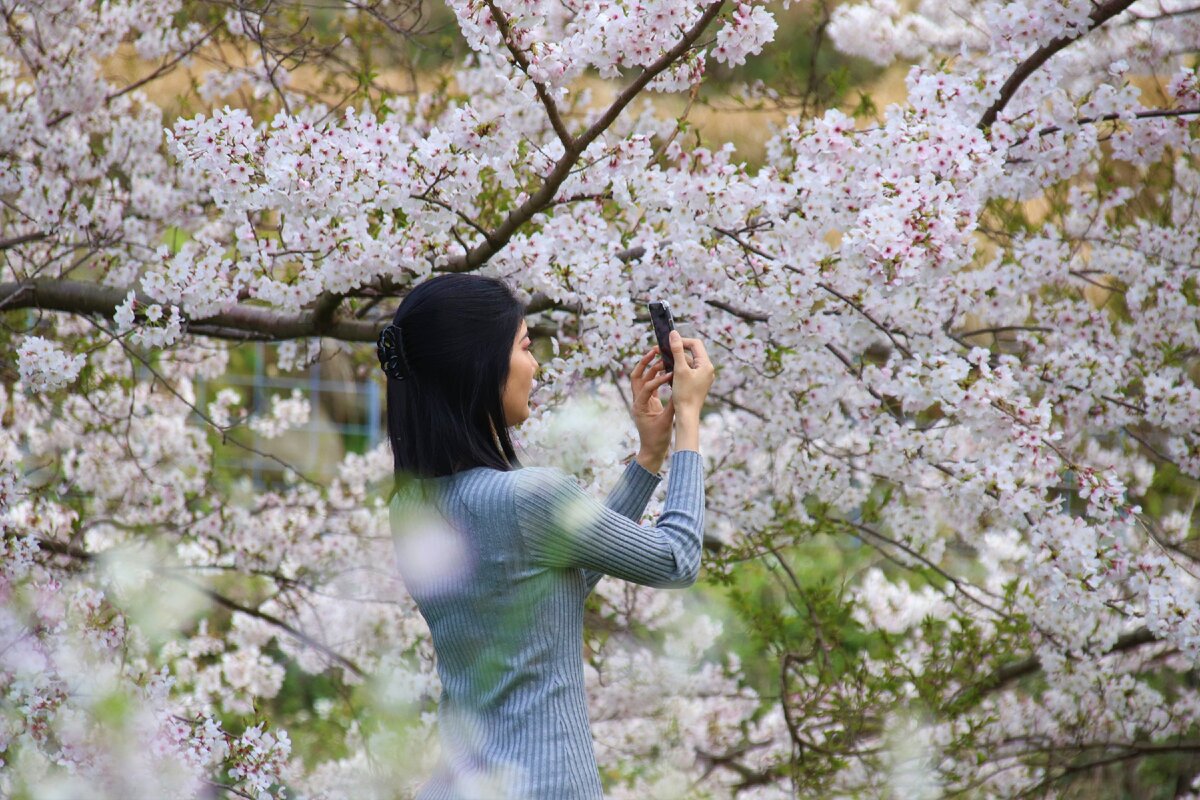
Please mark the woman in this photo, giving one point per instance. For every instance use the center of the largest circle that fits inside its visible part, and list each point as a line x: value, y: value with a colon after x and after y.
x: 504, y: 599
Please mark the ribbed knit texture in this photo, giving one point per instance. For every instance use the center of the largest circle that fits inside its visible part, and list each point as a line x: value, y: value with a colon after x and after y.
x: 507, y: 625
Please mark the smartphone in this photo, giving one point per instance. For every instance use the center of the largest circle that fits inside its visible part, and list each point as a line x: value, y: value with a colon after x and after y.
x: 660, y: 318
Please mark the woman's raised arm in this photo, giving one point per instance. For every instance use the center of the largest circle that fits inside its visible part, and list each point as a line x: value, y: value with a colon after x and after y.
x: 562, y: 526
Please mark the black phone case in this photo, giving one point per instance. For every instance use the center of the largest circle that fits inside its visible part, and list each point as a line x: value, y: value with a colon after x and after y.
x: 660, y: 318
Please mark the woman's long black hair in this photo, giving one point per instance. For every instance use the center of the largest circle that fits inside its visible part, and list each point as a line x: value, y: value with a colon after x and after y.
x: 457, y: 334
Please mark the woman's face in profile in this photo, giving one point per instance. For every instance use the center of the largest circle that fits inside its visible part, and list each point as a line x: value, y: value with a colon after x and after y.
x: 521, y: 369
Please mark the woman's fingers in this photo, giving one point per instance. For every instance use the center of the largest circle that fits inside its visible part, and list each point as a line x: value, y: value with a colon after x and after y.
x: 641, y: 365
x: 651, y: 386
x: 696, y: 348
x: 649, y: 377
x: 644, y: 368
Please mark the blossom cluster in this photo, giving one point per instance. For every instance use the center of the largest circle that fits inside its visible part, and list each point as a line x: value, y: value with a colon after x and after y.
x: 44, y: 366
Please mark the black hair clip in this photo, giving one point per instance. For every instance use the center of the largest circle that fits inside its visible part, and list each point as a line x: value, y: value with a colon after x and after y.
x: 390, y: 349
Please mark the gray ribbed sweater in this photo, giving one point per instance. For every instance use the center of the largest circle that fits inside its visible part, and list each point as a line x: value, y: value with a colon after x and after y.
x: 507, y: 622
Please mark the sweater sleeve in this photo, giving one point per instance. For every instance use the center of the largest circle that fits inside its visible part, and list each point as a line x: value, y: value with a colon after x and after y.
x: 628, y: 498
x: 563, y: 527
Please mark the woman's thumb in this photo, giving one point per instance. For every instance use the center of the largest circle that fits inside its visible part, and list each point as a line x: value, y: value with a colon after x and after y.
x: 676, y: 342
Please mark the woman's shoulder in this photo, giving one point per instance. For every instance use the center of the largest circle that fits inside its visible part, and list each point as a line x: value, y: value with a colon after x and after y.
x: 485, y: 490
x: 535, y: 477
x: 488, y: 481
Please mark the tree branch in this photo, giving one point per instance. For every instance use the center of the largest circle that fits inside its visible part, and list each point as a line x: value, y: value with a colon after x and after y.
x: 545, y: 195
x: 163, y: 68
x: 748, y: 316
x: 1156, y: 113
x: 25, y: 238
x: 1151, y: 114
x: 1005, y: 329
x: 1028, y: 666
x: 1102, y: 13
x: 240, y: 323
x: 252, y: 323
x: 62, y: 548
x: 552, y: 112
x: 233, y: 605
x: 886, y: 330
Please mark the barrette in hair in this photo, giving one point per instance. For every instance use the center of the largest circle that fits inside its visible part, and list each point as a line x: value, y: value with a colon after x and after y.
x: 390, y: 349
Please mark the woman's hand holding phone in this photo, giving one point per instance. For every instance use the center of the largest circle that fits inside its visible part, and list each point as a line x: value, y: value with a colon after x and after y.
x: 652, y: 418
x: 692, y: 377
x: 694, y: 369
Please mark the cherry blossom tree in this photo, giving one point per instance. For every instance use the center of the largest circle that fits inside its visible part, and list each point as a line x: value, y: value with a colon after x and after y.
x: 956, y: 351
